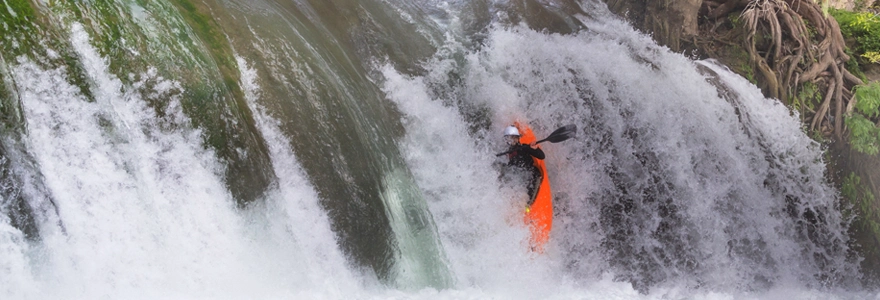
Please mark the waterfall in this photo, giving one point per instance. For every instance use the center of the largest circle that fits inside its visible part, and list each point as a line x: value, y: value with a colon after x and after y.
x: 336, y: 149
x: 683, y: 175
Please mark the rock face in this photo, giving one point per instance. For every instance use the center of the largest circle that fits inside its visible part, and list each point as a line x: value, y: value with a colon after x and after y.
x: 850, y: 4
x: 667, y: 20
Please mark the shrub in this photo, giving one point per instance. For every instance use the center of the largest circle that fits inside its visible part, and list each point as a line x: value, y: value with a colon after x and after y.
x: 863, y: 28
x: 864, y: 134
x: 868, y: 99
x: 873, y: 57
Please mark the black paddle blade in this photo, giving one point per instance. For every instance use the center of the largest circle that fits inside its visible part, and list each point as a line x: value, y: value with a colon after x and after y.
x: 561, y: 134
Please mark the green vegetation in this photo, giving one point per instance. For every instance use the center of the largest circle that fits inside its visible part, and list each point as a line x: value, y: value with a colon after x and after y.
x: 741, y: 64
x: 107, y: 28
x: 18, y: 17
x: 736, y: 20
x: 807, y: 98
x: 865, y: 206
x: 10, y: 114
x: 227, y: 116
x: 873, y: 57
x: 864, y: 30
x: 868, y: 99
x: 208, y: 31
x: 26, y: 32
x: 864, y: 134
x: 178, y: 40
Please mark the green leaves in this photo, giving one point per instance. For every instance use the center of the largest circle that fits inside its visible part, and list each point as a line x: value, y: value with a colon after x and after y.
x: 873, y: 57
x: 808, y: 97
x: 864, y: 136
x: 863, y: 28
x: 862, y: 31
x: 868, y: 99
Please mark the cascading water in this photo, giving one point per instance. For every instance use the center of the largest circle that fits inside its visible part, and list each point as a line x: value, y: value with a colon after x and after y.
x: 684, y: 176
x: 339, y: 149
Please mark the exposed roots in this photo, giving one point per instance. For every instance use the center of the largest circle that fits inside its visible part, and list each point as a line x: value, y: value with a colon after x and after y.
x: 792, y: 42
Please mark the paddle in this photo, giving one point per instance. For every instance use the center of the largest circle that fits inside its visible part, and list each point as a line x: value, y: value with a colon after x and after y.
x: 560, y: 134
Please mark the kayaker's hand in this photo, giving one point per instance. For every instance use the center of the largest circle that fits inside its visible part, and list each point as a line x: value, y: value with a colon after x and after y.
x: 534, y: 145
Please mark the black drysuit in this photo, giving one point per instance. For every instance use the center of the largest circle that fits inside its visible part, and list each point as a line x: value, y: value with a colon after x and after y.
x: 520, y: 157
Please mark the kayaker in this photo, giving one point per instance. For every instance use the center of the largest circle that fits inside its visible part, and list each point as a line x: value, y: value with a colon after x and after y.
x: 521, y: 158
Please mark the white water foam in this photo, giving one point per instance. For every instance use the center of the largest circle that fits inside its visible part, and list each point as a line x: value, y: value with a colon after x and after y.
x: 148, y: 216
x: 145, y: 208
x: 549, y: 80
x: 298, y: 226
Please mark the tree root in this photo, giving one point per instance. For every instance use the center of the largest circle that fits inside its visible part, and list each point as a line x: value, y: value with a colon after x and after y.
x: 726, y: 7
x: 838, y: 100
x: 820, y: 114
x: 780, y: 40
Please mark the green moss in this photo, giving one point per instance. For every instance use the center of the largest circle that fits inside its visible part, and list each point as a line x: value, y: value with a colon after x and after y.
x: 112, y: 32
x: 220, y: 53
x: 18, y: 18
x: 222, y: 108
x: 116, y: 36
x: 179, y: 39
x: 740, y: 63
x: 26, y: 32
x: 10, y: 113
x: 207, y: 29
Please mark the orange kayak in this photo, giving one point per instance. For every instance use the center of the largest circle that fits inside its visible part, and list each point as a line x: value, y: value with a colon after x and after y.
x: 539, y: 216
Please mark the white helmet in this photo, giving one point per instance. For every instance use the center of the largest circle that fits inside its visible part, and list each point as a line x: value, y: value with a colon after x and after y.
x: 511, y: 130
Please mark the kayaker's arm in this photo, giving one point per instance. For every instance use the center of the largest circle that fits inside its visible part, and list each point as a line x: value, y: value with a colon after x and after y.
x: 534, y: 152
